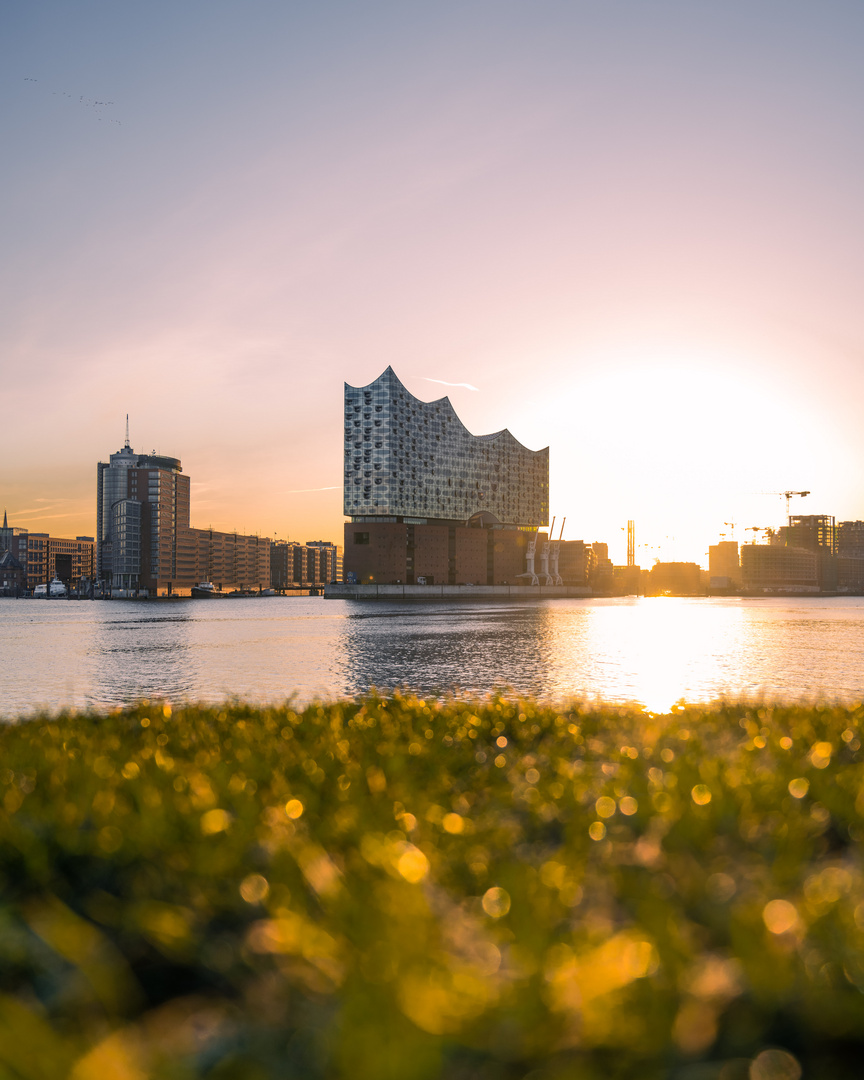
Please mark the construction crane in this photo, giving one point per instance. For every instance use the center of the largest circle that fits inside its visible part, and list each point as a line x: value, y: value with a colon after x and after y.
x: 731, y: 525
x: 787, y: 495
x: 757, y: 529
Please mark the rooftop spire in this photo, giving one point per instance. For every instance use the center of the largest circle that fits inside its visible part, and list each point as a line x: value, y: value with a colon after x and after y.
x: 127, y: 430
x: 5, y: 522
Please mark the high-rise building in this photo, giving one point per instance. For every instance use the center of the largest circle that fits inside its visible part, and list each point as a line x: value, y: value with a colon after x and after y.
x: 142, y: 505
x: 427, y: 500
x: 145, y: 544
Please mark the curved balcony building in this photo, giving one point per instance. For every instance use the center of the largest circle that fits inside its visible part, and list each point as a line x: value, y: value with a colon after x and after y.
x: 429, y: 502
x: 406, y: 458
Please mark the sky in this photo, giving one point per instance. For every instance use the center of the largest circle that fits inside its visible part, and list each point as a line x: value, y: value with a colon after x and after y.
x: 634, y: 226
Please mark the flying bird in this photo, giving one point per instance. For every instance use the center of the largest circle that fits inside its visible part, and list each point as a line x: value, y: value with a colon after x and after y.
x: 444, y: 382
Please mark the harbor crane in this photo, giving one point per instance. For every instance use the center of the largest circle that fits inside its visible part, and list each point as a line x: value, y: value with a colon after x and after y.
x: 546, y: 577
x: 555, y: 549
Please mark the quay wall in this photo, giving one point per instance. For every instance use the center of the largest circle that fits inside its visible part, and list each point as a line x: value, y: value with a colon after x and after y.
x: 341, y: 591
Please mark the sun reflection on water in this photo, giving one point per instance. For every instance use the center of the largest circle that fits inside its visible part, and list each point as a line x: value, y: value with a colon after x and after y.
x: 657, y: 652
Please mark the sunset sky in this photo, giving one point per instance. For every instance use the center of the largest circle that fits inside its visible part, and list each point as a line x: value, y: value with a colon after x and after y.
x: 635, y: 226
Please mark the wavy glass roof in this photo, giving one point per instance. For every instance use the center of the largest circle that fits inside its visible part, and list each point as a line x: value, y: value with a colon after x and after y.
x: 410, y: 458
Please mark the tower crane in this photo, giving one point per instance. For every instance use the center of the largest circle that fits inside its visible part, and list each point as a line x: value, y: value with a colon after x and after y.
x: 787, y: 495
x: 757, y: 529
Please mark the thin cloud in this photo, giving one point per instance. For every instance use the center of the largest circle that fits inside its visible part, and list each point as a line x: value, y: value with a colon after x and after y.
x: 299, y: 491
x: 44, y: 517
x: 444, y: 382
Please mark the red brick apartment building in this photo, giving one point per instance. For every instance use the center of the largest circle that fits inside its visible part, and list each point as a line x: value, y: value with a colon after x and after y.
x: 304, y: 566
x: 43, y: 557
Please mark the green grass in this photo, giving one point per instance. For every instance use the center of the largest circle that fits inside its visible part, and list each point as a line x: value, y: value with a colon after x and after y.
x: 392, y: 889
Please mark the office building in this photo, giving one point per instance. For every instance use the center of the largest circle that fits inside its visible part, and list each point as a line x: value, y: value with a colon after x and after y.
x: 429, y: 502
x: 142, y: 504
x: 145, y: 544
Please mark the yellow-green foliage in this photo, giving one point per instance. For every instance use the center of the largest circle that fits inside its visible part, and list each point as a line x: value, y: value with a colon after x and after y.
x: 390, y: 889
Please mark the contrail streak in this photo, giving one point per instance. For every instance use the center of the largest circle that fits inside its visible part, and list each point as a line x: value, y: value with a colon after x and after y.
x: 299, y: 491
x: 444, y: 382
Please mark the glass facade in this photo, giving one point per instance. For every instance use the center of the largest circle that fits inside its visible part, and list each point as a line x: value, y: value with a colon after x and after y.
x: 126, y: 535
x: 415, y: 459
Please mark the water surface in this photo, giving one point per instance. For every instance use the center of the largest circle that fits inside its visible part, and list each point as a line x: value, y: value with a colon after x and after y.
x: 655, y: 651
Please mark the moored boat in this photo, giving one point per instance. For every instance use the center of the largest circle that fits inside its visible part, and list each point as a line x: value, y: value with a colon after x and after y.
x: 54, y: 590
x: 205, y: 590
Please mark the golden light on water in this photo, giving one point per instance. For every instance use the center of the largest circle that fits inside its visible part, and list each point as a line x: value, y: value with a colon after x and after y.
x: 658, y: 650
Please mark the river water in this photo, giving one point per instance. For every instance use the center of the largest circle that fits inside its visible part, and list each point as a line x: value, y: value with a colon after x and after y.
x: 655, y: 651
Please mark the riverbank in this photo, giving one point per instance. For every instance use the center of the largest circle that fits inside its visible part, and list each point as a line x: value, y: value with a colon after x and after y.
x: 394, y: 888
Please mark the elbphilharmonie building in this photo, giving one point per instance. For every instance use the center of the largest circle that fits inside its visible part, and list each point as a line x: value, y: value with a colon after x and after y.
x: 429, y: 502
x: 406, y: 458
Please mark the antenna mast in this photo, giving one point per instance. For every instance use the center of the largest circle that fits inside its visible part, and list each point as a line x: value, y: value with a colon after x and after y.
x: 127, y: 430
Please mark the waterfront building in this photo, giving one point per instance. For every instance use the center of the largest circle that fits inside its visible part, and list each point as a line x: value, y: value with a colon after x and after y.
x: 816, y: 533
x: 43, y: 557
x: 850, y: 539
x: 576, y: 562
x: 145, y: 543
x: 12, y: 576
x: 427, y: 501
x: 775, y: 567
x: 724, y: 564
x: 602, y: 575
x: 675, y: 579
x: 142, y: 504
x: 302, y: 566
x: 330, y: 558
